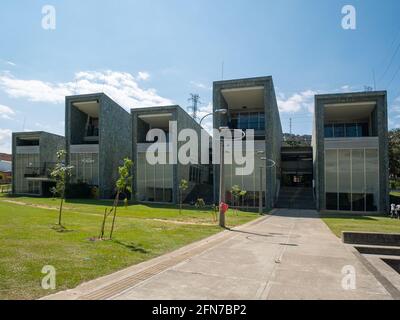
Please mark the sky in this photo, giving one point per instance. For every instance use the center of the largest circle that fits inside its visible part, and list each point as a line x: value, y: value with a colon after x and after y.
x: 157, y: 52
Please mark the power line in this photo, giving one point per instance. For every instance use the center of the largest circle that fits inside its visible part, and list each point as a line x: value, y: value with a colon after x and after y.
x: 391, y: 62
x: 394, y: 77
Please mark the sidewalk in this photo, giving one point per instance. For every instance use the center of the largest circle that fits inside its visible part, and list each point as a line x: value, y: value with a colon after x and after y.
x: 290, y: 255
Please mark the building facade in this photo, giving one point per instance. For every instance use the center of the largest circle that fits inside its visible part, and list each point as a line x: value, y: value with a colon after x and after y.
x: 98, y: 138
x: 350, y: 145
x: 345, y: 168
x: 34, y: 155
x: 251, y: 104
x: 158, y: 182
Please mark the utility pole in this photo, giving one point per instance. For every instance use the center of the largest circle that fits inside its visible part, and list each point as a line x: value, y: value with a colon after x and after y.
x: 195, y: 100
x: 221, y: 182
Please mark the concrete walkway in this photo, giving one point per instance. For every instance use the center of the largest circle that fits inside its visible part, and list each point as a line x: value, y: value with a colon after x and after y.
x: 289, y: 255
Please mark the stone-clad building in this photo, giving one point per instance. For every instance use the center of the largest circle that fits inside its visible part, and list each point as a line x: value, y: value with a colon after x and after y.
x: 34, y: 155
x: 345, y: 168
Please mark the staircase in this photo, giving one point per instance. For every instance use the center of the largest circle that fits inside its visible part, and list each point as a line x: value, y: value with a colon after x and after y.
x: 296, y: 198
x: 203, y: 191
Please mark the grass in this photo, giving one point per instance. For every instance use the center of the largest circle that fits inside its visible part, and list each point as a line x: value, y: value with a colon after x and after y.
x: 28, y: 241
x: 339, y: 222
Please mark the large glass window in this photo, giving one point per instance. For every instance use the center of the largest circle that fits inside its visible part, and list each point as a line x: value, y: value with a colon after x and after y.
x: 154, y: 182
x: 339, y: 130
x: 352, y: 179
x: 328, y: 131
x: 85, y: 168
x: 248, y: 120
x: 371, y: 179
x: 26, y: 166
x: 250, y: 183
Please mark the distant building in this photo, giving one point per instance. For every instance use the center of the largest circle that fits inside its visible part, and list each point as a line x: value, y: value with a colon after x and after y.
x: 34, y: 155
x: 5, y: 171
x: 98, y: 138
x: 350, y: 145
x: 159, y: 182
x: 251, y: 104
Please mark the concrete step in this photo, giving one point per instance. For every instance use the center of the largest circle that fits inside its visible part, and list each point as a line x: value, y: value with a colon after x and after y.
x: 379, y: 250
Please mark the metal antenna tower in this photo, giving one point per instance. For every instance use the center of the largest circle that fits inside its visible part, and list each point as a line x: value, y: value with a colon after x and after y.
x: 194, y: 107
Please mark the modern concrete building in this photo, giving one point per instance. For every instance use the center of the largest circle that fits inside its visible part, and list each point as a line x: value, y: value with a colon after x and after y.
x: 98, y: 138
x: 159, y: 182
x: 251, y: 104
x: 350, y: 145
x: 33, y: 157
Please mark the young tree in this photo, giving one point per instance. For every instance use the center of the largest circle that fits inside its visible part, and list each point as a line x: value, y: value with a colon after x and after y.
x: 235, y: 191
x: 122, y: 186
x: 60, y: 173
x: 183, y: 185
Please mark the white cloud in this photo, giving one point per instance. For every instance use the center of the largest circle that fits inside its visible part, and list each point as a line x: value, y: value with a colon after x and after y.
x: 10, y: 63
x: 394, y: 114
x: 120, y: 86
x: 5, y: 140
x: 203, y: 111
x: 200, y: 85
x: 302, y: 101
x: 143, y: 75
x: 6, y: 112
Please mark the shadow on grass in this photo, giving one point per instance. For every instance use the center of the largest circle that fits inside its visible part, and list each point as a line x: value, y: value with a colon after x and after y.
x: 61, y: 229
x: 132, y: 246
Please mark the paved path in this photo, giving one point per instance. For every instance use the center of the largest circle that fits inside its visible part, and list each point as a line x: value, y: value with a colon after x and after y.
x: 289, y: 255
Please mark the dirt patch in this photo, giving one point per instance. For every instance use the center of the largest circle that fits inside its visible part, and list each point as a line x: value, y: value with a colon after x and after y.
x: 40, y: 206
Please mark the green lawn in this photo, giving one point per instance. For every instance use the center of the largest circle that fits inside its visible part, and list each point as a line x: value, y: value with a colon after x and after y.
x: 28, y: 242
x: 339, y: 222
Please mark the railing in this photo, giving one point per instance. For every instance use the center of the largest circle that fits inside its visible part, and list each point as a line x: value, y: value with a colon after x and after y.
x: 5, y: 188
x: 40, y: 172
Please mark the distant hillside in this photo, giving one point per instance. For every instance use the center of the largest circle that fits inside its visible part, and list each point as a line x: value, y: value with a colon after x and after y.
x: 5, y: 156
x: 296, y: 140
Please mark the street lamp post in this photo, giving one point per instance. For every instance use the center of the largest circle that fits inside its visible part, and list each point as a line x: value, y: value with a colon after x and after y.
x: 221, y: 183
x: 260, y: 194
x: 221, y: 170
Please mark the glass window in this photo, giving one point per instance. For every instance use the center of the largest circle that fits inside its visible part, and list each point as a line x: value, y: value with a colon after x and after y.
x: 358, y: 203
x: 331, y: 171
x: 345, y: 201
x: 372, y: 179
x: 351, y: 130
x: 358, y: 171
x: 363, y: 130
x: 328, y: 131
x: 331, y: 201
x: 253, y: 121
x: 339, y: 130
x: 262, y: 121
x: 243, y: 121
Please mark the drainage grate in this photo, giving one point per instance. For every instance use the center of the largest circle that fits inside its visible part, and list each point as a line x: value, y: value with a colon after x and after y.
x: 117, y: 287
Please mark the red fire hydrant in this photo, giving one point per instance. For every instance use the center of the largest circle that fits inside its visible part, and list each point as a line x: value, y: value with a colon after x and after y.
x: 223, y: 207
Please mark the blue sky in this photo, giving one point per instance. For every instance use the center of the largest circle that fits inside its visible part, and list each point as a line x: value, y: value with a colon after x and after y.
x: 145, y: 53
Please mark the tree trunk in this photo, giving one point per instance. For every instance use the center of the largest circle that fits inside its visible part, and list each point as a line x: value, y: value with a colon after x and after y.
x: 180, y: 202
x: 60, y: 212
x: 103, y: 224
x: 115, y: 213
